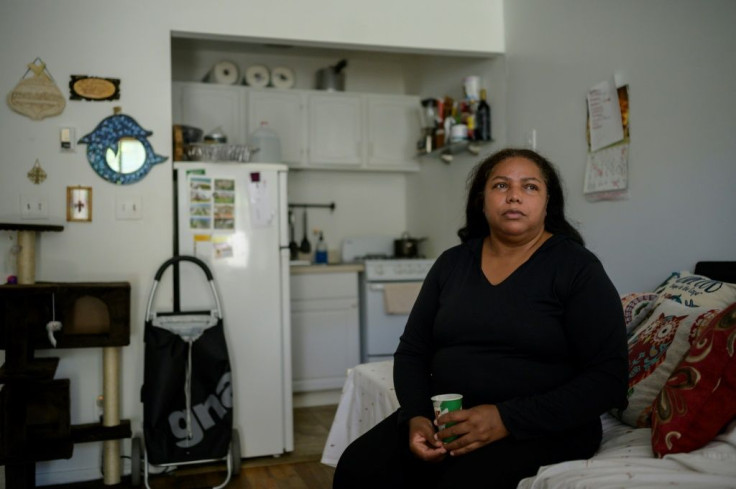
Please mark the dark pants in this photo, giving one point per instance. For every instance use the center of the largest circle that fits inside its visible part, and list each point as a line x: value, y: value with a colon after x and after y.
x: 381, y: 459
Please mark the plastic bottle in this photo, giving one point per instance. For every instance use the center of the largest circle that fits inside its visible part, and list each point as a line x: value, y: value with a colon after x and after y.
x: 268, y: 144
x: 320, y: 251
x: 483, y: 119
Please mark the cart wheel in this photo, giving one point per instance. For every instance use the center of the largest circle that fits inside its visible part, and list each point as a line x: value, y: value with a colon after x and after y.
x: 135, y: 461
x: 235, y: 452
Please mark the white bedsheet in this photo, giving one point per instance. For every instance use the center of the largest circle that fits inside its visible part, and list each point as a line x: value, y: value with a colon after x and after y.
x: 367, y: 398
x: 624, y: 460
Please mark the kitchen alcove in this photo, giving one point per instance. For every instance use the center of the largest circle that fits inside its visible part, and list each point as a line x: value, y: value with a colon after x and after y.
x: 399, y: 72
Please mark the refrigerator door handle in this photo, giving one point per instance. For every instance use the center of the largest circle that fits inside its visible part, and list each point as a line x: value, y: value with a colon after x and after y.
x: 286, y: 352
x: 283, y: 212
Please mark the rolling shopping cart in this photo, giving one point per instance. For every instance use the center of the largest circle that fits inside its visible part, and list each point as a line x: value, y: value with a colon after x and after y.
x: 187, y: 390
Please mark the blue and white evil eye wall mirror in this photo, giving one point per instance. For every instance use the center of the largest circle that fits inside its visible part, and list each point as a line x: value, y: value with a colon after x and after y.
x: 119, y: 151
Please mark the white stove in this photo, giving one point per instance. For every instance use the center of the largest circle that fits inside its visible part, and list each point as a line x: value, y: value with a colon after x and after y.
x: 380, y: 326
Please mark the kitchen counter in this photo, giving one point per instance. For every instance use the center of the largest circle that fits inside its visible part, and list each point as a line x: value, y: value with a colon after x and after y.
x: 329, y: 268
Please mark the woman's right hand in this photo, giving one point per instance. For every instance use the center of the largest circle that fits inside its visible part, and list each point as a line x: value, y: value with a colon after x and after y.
x: 422, y: 442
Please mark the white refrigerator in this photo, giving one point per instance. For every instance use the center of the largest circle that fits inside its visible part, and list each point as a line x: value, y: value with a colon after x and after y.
x: 234, y: 217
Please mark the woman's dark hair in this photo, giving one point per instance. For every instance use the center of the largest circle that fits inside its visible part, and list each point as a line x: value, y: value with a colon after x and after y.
x: 555, y: 222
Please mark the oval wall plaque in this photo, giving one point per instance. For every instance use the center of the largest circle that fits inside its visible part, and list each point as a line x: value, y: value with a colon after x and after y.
x: 83, y: 87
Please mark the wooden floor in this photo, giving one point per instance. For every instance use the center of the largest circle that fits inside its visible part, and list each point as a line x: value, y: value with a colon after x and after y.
x: 300, y: 469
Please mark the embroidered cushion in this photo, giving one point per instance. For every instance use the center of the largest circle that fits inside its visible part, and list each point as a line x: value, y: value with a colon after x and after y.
x: 637, y: 305
x: 696, y: 291
x: 655, y: 348
x: 699, y: 398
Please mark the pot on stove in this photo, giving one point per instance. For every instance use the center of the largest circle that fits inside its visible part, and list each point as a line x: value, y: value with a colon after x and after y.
x: 406, y: 246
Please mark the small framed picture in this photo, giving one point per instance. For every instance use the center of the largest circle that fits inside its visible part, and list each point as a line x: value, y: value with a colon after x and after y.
x: 79, y: 204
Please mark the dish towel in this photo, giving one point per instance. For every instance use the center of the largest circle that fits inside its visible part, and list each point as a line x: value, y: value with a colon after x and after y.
x: 399, y: 298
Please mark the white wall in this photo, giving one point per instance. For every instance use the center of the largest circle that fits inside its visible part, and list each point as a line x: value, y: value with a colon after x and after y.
x: 414, y: 25
x: 131, y: 41
x: 678, y: 58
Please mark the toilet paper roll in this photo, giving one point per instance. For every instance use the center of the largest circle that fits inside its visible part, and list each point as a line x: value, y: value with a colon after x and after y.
x: 282, y: 77
x: 257, y: 76
x: 224, y: 72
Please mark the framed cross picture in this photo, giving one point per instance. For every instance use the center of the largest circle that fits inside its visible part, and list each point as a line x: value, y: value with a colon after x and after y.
x: 79, y: 204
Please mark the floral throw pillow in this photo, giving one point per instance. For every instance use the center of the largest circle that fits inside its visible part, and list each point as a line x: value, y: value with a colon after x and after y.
x: 699, y: 398
x: 637, y: 305
x: 655, y: 348
x: 693, y: 290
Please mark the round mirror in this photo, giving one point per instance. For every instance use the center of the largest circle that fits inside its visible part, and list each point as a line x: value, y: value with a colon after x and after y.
x: 119, y: 151
x: 131, y: 156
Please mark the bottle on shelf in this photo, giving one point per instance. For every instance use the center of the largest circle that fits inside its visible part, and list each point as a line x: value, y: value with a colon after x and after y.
x: 483, y: 119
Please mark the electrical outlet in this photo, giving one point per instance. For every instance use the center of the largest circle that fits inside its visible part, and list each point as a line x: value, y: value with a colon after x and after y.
x: 128, y: 207
x: 34, y: 207
x: 531, y: 139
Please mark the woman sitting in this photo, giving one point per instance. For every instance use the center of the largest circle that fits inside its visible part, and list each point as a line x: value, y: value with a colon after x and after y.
x: 522, y: 320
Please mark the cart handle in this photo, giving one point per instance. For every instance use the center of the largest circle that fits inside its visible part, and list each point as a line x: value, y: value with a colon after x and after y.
x: 176, y: 259
x: 180, y: 258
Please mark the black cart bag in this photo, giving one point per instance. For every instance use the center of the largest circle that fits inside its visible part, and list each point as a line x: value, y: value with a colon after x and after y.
x: 187, y: 393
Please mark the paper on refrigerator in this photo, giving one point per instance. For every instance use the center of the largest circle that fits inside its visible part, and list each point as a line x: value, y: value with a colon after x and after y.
x: 261, y: 210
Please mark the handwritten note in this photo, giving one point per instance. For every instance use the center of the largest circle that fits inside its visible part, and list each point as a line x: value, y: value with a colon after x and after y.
x: 605, y: 115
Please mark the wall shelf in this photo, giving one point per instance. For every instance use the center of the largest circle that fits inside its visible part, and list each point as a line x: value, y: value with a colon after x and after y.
x: 446, y: 152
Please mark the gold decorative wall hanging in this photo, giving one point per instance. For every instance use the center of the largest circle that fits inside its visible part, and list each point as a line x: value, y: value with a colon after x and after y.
x: 37, y: 96
x: 83, y: 87
x: 37, y: 175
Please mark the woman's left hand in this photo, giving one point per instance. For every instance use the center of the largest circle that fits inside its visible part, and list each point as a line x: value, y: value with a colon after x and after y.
x: 474, y: 427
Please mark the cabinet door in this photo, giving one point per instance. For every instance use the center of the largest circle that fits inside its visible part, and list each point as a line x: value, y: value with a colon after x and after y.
x: 325, y: 330
x: 284, y: 112
x: 209, y: 106
x: 393, y: 130
x: 335, y: 130
x: 325, y: 343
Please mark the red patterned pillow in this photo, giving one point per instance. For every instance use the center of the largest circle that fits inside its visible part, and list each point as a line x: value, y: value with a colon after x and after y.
x: 655, y: 349
x: 699, y: 398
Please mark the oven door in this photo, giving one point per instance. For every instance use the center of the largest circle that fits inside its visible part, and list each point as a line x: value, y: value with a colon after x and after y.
x: 380, y: 331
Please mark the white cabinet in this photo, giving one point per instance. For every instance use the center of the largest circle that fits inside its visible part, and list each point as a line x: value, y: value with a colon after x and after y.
x: 317, y: 129
x: 209, y: 106
x: 392, y: 132
x: 335, y: 130
x: 325, y: 337
x: 284, y: 112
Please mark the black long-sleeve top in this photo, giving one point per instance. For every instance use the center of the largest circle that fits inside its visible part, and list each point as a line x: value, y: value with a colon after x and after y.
x: 547, y: 345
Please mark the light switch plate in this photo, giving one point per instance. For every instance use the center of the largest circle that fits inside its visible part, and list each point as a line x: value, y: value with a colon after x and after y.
x: 34, y: 207
x: 67, y: 139
x: 128, y: 207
